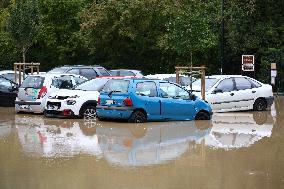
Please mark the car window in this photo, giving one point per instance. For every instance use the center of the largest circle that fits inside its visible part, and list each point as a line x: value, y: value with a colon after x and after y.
x: 114, y: 73
x: 254, y: 83
x: 148, y: 88
x: 74, y: 71
x: 78, y: 80
x: 116, y: 85
x: 58, y: 70
x: 126, y: 73
x: 10, y: 76
x: 92, y: 85
x: 88, y: 73
x: 103, y: 72
x: 209, y: 82
x: 62, y: 82
x: 35, y: 82
x: 226, y: 85
x: 242, y: 83
x: 5, y: 84
x: 173, y: 91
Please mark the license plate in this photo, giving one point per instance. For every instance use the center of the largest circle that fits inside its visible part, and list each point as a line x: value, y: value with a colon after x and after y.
x: 109, y: 102
x: 24, y: 106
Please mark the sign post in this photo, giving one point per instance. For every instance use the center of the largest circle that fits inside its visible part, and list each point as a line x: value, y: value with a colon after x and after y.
x: 248, y: 64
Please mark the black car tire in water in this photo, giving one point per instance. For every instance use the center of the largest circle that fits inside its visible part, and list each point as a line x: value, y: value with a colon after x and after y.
x: 202, y: 116
x: 259, y: 105
x: 89, y: 112
x: 137, y: 117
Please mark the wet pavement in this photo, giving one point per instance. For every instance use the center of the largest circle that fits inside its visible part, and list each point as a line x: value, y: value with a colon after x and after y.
x: 234, y: 150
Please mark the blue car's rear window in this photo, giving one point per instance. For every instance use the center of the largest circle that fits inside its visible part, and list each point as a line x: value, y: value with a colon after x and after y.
x: 116, y: 85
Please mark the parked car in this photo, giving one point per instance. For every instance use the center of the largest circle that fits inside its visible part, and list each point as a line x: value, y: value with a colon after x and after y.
x: 125, y: 72
x: 78, y: 102
x: 35, y: 90
x: 184, y: 79
x: 8, y: 92
x: 10, y: 74
x: 89, y: 72
x: 235, y: 93
x: 139, y: 100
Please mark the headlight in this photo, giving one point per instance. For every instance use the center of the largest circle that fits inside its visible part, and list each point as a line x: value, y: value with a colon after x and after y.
x: 71, y: 102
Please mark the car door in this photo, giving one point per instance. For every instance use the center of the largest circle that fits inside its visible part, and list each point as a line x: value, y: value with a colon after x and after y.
x: 223, y: 96
x: 175, y: 102
x: 147, y: 98
x: 7, y: 92
x: 245, y: 94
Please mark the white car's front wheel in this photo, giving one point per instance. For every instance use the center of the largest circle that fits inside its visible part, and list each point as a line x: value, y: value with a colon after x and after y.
x: 89, y: 112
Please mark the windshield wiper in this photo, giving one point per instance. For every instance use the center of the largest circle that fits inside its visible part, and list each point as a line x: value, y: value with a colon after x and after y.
x: 113, y: 91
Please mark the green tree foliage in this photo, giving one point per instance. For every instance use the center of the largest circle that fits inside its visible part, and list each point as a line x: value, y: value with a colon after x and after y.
x: 23, y: 24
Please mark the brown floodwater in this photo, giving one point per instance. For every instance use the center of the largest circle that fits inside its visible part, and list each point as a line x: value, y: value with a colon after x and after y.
x: 239, y: 150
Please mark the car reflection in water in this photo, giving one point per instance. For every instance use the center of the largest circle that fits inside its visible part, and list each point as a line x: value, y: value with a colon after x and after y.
x: 149, y: 143
x: 56, y: 137
x: 239, y: 129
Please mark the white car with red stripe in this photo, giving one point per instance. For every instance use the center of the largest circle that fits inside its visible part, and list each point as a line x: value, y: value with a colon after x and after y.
x: 35, y: 90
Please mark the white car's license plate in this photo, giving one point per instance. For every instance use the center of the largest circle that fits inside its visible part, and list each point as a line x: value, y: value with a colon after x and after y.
x: 24, y: 107
x: 109, y: 102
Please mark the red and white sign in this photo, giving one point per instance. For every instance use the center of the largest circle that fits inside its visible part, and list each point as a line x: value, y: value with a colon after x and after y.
x: 248, y: 63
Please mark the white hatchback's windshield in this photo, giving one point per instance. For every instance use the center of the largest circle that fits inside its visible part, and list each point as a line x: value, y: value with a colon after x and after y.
x: 209, y: 82
x: 92, y: 85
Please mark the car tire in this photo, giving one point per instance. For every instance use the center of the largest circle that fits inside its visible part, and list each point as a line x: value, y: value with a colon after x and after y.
x: 202, y: 116
x: 89, y: 112
x: 137, y: 117
x: 259, y: 105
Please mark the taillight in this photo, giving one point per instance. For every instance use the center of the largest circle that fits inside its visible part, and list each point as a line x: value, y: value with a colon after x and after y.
x: 42, y: 92
x: 99, y: 100
x: 128, y: 102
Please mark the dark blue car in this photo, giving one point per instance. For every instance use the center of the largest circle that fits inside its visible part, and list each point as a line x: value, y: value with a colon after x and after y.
x: 141, y: 100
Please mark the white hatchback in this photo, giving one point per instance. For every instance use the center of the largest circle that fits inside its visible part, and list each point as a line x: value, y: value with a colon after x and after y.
x: 235, y: 93
x: 35, y: 90
x: 78, y: 102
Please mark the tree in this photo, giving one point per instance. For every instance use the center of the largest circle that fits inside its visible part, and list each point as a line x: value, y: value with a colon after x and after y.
x: 191, y: 28
x: 23, y: 24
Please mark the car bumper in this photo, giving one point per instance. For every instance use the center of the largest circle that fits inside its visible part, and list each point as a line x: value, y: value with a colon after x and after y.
x: 59, y: 114
x: 114, y: 112
x: 29, y: 106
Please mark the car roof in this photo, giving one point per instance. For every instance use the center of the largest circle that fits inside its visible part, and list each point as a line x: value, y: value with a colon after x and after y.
x: 54, y: 74
x: 223, y: 76
x: 78, y: 66
x: 7, y: 71
x: 126, y: 70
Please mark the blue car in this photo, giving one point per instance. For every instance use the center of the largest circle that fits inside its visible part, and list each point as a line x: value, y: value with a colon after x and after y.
x: 140, y: 100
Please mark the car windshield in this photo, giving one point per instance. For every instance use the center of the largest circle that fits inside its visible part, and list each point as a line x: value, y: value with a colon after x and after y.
x: 209, y: 82
x: 116, y: 85
x: 92, y: 85
x: 58, y: 70
x: 35, y: 82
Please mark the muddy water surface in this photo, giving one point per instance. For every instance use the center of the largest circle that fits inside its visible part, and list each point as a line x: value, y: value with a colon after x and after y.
x: 236, y: 150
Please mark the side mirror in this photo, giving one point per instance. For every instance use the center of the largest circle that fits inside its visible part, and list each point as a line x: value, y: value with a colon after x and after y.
x: 192, y: 97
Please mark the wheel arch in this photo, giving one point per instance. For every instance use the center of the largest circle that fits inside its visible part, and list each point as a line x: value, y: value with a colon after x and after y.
x: 141, y: 110
x: 88, y: 103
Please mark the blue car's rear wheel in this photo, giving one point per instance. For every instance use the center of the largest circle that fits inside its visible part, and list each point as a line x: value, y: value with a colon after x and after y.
x: 137, y: 117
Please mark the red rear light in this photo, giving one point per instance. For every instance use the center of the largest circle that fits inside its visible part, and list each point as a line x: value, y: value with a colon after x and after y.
x: 99, y: 100
x: 42, y: 92
x: 128, y: 102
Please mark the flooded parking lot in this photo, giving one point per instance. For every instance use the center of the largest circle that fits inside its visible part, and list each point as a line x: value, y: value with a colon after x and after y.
x: 234, y: 150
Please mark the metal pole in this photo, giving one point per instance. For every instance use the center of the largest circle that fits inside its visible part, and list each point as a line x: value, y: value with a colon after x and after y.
x: 203, y: 82
x: 222, y: 39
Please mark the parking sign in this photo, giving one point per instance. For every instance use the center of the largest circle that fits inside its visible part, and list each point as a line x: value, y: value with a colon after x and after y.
x: 248, y: 63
